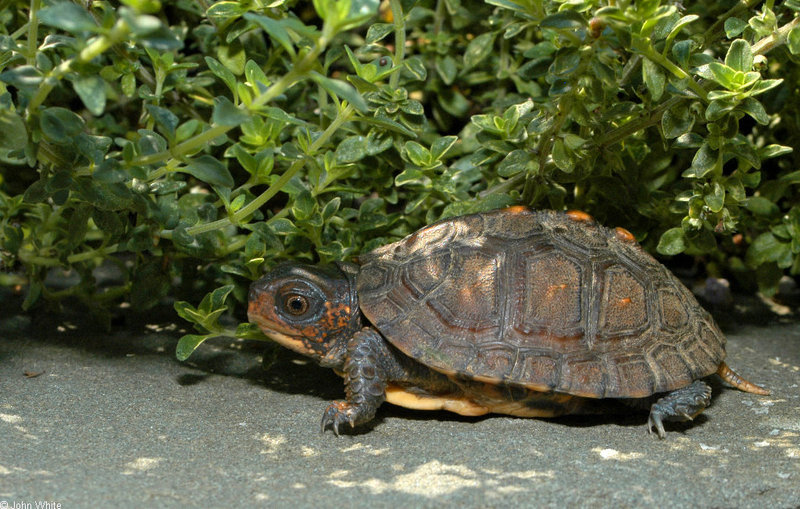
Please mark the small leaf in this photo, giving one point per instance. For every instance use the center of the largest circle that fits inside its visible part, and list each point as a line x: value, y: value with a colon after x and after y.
x: 740, y: 56
x: 351, y: 149
x: 416, y: 67
x: 447, y: 68
x: 418, y: 154
x: 654, y: 78
x: 188, y: 344
x: 222, y: 73
x: 564, y: 20
x: 478, y: 49
x: 69, y: 17
x: 756, y: 110
x: 442, y: 145
x: 275, y: 29
x: 164, y: 118
x: 672, y: 242
x: 793, y: 41
x: 209, y: 170
x: 60, y: 124
x: 761, y: 206
x: 226, y: 114
x: 342, y: 90
x: 703, y: 162
x: 562, y: 157
x: 13, y: 133
x: 515, y: 162
x: 716, y: 198
x: 734, y: 26
x: 304, y: 205
x: 378, y: 31
x: 92, y: 91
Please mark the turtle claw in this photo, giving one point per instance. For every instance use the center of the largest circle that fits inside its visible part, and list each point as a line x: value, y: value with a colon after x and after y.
x: 680, y: 405
x: 338, y: 413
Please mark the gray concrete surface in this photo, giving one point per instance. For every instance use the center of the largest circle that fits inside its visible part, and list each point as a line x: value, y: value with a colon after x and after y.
x: 115, y: 420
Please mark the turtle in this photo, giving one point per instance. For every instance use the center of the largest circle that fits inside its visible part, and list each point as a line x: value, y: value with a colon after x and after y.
x: 530, y: 313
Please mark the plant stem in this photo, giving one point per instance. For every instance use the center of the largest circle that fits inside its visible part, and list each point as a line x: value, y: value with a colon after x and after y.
x: 33, y: 31
x: 94, y: 49
x: 399, y: 40
x: 215, y: 131
x: 264, y: 197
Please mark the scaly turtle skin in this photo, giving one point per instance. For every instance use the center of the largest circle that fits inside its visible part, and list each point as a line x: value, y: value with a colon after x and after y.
x: 533, y: 314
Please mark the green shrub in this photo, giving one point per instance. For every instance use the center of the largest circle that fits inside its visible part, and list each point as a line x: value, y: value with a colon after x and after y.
x: 191, y: 145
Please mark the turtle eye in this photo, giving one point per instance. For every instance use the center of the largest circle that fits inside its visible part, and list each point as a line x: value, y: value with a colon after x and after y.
x: 296, y: 304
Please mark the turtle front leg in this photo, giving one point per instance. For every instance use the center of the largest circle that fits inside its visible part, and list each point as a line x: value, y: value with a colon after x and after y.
x: 680, y: 405
x: 365, y: 382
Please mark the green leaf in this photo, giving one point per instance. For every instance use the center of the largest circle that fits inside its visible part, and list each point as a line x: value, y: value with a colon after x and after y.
x: 723, y: 74
x: 774, y: 150
x: 703, y: 162
x: 734, y: 27
x: 715, y: 200
x: 654, y: 78
x: 13, y: 133
x: 766, y: 248
x: 676, y: 122
x: 164, y: 118
x: 215, y: 300
x: 515, y: 162
x: 188, y: 344
x: 756, y: 110
x: 60, y: 124
x: 564, y: 20
x: 210, y: 171
x: 378, y: 31
x: 672, y: 242
x: 351, y: 149
x: 222, y: 73
x: 761, y: 206
x: 92, y: 91
x: 69, y: 17
x: 418, y: 154
x: 149, y: 31
x: 303, y: 206
x: 793, y: 41
x: 342, y: 90
x: 442, y: 145
x: 562, y: 157
x: 416, y: 67
x: 740, y: 56
x: 275, y: 29
x: 225, y: 113
x: 447, y: 68
x: 478, y: 49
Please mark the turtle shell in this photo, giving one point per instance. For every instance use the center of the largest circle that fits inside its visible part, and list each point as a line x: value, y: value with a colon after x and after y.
x: 545, y: 300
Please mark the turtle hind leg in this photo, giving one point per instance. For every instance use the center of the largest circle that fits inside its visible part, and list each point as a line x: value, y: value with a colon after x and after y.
x: 733, y: 378
x: 681, y: 405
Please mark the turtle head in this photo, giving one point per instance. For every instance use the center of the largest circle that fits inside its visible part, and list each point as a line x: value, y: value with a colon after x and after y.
x: 310, y: 309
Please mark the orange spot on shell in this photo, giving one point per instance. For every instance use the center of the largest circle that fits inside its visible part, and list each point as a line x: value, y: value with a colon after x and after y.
x: 517, y: 209
x: 579, y: 215
x: 625, y: 301
x: 554, y: 288
x: 624, y: 235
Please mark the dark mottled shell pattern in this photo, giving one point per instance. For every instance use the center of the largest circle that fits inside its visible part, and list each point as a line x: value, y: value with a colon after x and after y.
x: 545, y: 300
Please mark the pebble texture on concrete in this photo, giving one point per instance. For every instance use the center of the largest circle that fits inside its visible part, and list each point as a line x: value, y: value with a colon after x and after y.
x: 115, y: 419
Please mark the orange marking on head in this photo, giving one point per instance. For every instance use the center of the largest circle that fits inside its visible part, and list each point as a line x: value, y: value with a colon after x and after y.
x: 624, y: 235
x: 579, y: 215
x: 517, y: 209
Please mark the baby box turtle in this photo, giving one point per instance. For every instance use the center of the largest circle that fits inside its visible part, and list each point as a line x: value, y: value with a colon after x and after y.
x: 520, y: 312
